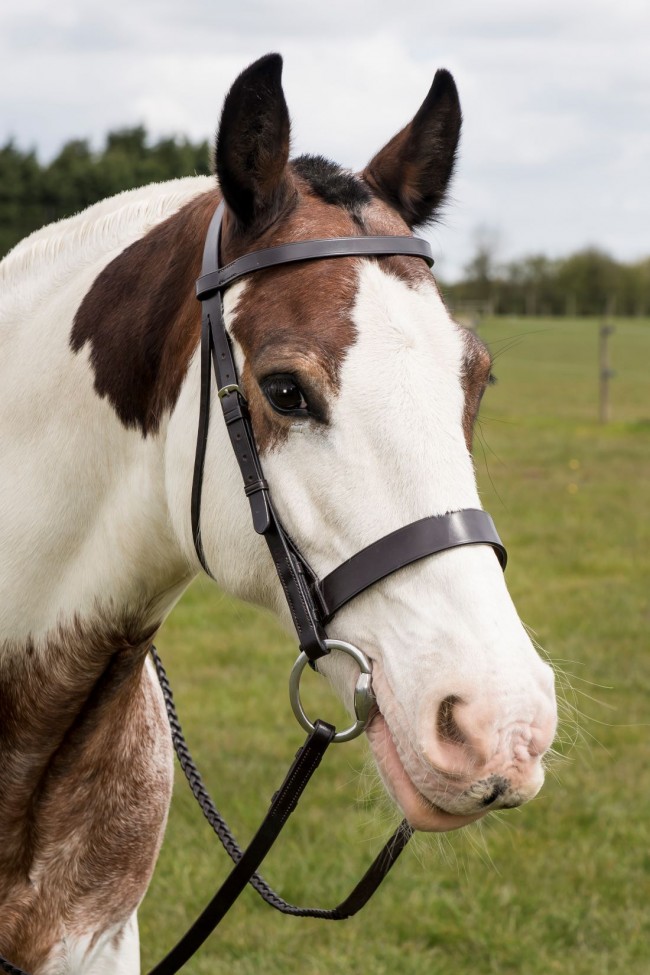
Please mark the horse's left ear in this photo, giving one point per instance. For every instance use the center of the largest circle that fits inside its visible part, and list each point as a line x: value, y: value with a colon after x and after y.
x: 253, y: 144
x: 412, y: 172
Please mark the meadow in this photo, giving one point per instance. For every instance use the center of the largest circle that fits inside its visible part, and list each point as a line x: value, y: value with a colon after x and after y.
x: 561, y: 885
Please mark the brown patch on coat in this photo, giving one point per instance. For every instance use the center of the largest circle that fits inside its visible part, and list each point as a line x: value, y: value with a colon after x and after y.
x: 142, y: 320
x: 85, y: 785
x: 475, y: 375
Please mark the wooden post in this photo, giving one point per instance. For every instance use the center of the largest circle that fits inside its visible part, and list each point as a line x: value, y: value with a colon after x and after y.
x: 606, y: 372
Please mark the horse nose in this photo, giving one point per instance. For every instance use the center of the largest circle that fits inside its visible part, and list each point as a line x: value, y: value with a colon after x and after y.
x: 482, y: 738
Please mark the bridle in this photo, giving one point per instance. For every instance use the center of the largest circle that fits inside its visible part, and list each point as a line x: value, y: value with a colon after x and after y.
x: 312, y: 601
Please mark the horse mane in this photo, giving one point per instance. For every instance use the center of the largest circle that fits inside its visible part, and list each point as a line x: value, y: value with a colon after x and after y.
x: 60, y: 249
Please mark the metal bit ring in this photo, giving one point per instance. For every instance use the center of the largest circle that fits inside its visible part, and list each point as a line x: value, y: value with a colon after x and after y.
x: 364, y: 698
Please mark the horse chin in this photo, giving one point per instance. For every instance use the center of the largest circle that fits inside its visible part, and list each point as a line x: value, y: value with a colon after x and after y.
x: 419, y: 811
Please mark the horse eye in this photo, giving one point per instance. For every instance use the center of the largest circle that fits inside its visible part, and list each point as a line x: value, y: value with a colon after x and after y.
x: 285, y: 395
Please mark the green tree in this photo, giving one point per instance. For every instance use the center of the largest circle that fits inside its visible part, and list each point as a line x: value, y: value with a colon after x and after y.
x: 32, y: 195
x: 593, y: 277
x: 20, y: 195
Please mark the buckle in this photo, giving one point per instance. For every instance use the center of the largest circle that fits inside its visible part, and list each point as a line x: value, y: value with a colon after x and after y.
x: 231, y: 388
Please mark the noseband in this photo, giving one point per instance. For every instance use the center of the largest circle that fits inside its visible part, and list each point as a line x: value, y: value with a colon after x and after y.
x: 312, y: 602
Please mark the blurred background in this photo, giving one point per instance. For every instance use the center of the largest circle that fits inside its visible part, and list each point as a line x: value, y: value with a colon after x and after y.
x: 543, y: 249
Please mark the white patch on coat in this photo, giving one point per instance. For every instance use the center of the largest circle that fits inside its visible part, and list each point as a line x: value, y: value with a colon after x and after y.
x: 83, y: 512
x: 115, y: 952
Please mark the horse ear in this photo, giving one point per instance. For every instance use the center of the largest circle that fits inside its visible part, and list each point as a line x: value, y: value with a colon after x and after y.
x: 253, y: 143
x: 412, y: 172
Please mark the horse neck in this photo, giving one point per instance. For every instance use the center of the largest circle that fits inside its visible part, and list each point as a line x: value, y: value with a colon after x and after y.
x: 85, y: 530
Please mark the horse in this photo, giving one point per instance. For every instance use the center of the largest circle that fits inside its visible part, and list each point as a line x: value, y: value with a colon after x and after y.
x: 363, y: 394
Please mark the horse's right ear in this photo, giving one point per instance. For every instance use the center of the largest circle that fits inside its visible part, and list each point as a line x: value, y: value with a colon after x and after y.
x: 253, y: 144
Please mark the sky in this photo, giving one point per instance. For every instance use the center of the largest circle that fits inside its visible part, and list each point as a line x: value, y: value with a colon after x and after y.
x: 555, y: 152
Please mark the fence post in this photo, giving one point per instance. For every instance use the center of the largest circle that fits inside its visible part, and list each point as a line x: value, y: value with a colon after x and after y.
x: 605, y: 370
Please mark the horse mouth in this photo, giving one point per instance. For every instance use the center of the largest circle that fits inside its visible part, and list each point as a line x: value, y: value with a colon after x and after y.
x: 419, y: 811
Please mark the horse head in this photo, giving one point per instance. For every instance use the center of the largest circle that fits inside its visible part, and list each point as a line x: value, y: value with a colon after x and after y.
x: 363, y: 393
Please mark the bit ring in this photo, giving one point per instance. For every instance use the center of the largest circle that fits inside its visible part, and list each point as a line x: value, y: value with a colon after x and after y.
x: 364, y: 698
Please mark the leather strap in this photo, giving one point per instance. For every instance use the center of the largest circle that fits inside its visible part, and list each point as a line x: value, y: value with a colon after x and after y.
x: 284, y: 802
x: 202, y: 440
x: 363, y: 890
x: 471, y: 526
x: 309, y: 250
x: 236, y: 416
x: 294, y: 573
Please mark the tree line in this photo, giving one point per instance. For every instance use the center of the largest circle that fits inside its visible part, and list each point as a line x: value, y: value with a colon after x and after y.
x: 589, y: 282
x: 32, y: 194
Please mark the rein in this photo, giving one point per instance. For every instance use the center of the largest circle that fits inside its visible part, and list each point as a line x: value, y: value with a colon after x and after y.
x: 312, y: 601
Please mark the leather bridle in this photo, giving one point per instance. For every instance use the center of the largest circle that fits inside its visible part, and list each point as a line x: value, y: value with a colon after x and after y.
x: 312, y: 601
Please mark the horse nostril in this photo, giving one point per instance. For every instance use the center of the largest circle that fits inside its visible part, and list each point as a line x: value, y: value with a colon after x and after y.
x: 446, y: 724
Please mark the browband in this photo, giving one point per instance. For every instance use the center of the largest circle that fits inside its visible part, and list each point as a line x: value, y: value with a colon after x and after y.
x: 310, y: 250
x: 312, y: 602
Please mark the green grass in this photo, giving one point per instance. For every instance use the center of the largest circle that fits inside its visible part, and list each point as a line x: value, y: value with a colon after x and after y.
x: 562, y: 885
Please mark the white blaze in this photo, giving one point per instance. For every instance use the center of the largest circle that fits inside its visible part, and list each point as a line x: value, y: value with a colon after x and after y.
x: 394, y: 452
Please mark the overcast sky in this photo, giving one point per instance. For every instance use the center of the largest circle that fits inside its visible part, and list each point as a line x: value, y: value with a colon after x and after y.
x: 555, y: 94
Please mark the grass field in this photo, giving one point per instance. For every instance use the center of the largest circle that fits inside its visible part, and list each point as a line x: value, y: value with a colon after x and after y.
x: 562, y: 885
